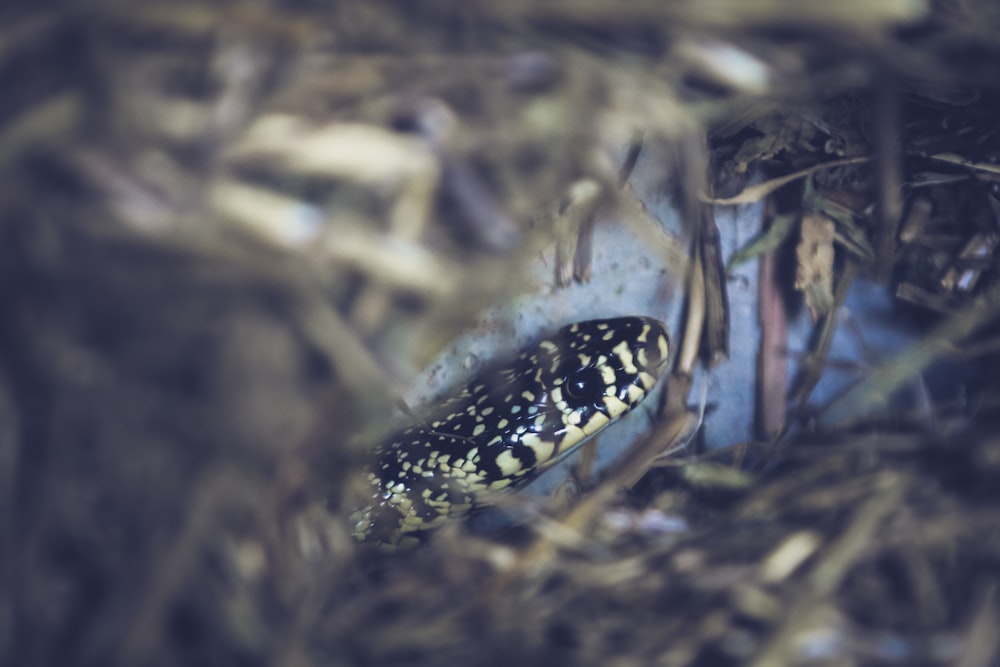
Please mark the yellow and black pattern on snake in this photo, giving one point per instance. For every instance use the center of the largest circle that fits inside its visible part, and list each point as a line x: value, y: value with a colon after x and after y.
x: 511, y: 422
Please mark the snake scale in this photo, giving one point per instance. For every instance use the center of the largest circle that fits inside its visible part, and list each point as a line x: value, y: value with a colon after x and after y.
x: 508, y: 424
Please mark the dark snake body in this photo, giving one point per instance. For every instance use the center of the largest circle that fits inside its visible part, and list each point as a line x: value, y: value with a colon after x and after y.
x: 511, y: 422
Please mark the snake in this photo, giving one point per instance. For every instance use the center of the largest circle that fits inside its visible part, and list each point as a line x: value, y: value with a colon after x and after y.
x: 508, y: 424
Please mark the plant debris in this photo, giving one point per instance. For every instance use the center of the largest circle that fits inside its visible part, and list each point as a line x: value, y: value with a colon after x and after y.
x: 231, y: 230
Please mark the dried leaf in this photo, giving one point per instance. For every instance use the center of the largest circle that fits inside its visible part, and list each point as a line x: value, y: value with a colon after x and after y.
x: 814, y: 256
x: 756, y: 192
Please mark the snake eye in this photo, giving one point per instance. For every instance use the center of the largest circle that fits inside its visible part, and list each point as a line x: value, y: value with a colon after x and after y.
x: 585, y: 386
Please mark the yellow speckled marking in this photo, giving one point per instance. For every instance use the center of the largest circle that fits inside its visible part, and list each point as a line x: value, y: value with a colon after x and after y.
x: 635, y: 393
x: 596, y: 423
x: 625, y: 355
x: 543, y: 448
x: 615, y: 407
x: 507, y: 463
x: 574, y: 436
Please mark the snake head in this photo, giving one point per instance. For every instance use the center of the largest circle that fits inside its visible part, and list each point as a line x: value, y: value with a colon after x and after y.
x: 598, y: 370
x: 510, y: 423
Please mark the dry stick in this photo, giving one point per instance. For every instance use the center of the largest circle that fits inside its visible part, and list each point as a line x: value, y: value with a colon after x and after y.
x: 889, y: 210
x: 584, y: 251
x: 809, y: 375
x: 829, y: 572
x: 582, y: 248
x: 772, y: 359
x: 772, y: 384
x: 695, y: 320
x: 984, y: 168
x: 716, y: 335
x: 631, y: 158
x: 872, y: 394
x: 573, y: 227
